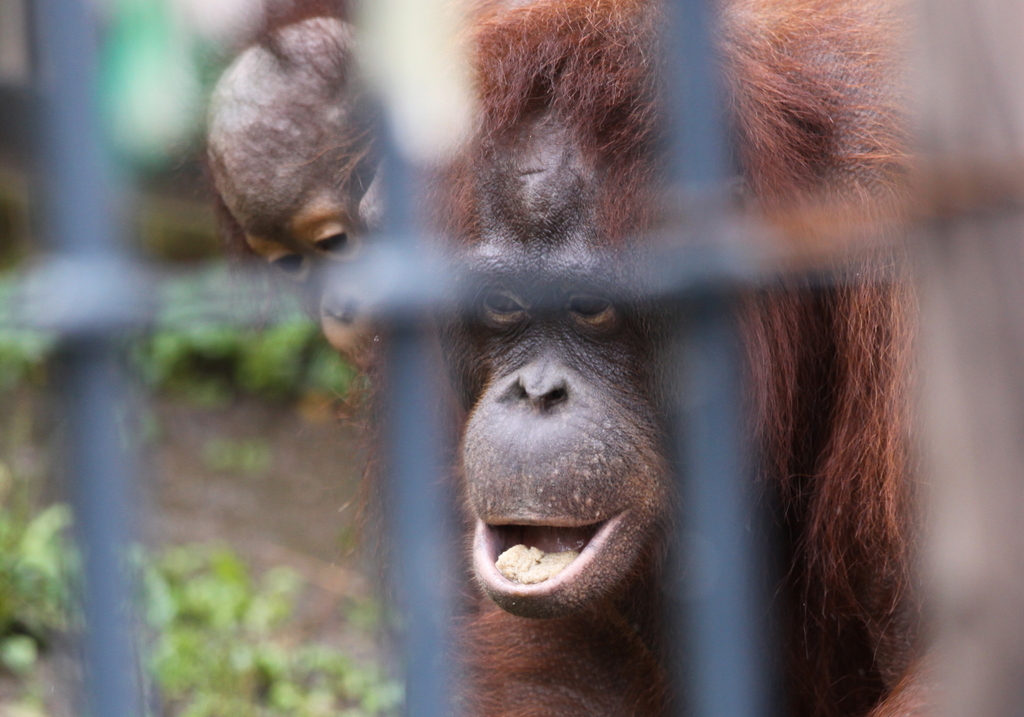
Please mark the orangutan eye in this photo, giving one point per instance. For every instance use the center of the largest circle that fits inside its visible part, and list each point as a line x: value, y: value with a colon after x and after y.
x: 503, y: 307
x: 291, y: 264
x: 335, y: 242
x: 591, y: 309
x: 339, y: 245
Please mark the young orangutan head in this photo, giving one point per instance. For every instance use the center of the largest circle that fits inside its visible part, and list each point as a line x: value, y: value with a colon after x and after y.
x: 292, y: 155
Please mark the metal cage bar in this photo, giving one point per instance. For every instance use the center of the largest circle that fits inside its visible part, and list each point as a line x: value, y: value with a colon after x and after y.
x: 83, y: 235
x: 723, y: 667
x: 416, y: 487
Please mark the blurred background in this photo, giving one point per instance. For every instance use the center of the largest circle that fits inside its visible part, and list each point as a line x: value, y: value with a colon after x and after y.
x: 246, y: 428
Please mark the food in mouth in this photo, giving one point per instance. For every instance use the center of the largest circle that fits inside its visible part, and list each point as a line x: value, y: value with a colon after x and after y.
x: 528, y: 566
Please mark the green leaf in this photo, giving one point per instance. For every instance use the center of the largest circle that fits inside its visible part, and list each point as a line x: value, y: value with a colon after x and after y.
x: 42, y: 547
x: 18, y: 653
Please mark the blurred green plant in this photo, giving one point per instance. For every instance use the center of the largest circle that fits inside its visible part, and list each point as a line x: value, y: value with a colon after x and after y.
x: 222, y: 645
x: 213, y: 339
x: 219, y: 642
x: 246, y: 457
x: 23, y: 353
x: 210, y: 363
x: 36, y: 570
x: 216, y: 337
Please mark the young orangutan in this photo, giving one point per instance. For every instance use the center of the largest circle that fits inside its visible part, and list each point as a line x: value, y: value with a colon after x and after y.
x: 292, y: 155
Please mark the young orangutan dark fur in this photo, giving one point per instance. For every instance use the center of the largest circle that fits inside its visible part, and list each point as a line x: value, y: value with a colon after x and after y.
x: 563, y: 173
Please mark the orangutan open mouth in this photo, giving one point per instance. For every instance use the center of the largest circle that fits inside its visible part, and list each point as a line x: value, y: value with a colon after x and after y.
x: 531, y: 554
x: 536, y: 560
x: 548, y: 538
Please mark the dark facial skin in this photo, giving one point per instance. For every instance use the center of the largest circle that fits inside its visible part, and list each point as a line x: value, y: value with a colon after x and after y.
x: 291, y: 151
x: 562, y: 448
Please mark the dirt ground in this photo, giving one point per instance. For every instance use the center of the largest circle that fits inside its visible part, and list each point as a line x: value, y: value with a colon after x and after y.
x: 294, y: 502
x: 291, y: 487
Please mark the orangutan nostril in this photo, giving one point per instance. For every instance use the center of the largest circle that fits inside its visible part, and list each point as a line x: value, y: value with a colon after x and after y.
x: 542, y: 397
x: 555, y: 396
x: 344, y: 312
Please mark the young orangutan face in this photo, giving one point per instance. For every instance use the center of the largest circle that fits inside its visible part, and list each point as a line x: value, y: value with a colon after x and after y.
x: 323, y: 229
x: 323, y: 232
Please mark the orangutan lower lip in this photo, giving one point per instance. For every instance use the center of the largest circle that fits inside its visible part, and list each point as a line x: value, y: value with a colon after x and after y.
x: 490, y: 541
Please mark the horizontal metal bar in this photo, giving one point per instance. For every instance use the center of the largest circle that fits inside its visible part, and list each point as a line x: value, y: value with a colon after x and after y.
x: 71, y: 295
x: 82, y: 294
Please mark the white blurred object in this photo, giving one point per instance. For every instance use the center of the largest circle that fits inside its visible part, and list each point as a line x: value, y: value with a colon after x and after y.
x: 221, y: 21
x: 414, y: 59
x: 151, y: 79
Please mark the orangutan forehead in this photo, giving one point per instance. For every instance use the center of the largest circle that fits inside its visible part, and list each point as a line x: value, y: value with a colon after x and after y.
x: 544, y: 145
x: 259, y: 186
x: 320, y: 44
x: 575, y: 262
x: 539, y: 187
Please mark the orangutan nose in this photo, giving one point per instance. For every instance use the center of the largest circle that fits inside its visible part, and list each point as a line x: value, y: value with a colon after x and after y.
x: 341, y: 309
x: 543, y: 385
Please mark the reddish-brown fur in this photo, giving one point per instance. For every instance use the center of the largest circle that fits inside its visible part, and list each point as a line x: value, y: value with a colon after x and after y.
x: 812, y: 86
x: 813, y: 89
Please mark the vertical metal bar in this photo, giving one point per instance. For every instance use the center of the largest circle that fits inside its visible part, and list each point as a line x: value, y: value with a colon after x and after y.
x: 94, y: 391
x: 725, y: 662
x: 422, y: 552
x: 699, y: 157
x: 723, y: 673
x: 77, y: 173
x: 80, y: 227
x: 421, y: 545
